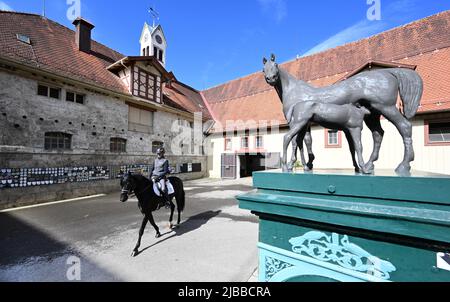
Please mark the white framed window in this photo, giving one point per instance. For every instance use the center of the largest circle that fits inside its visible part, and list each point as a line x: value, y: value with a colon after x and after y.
x: 437, y: 132
x: 333, y: 138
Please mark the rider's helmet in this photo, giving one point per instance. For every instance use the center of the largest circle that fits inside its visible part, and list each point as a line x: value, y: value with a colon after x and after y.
x: 160, y: 151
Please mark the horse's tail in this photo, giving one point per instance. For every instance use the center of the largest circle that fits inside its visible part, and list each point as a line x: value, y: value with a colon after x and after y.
x: 410, y: 86
x: 181, y: 196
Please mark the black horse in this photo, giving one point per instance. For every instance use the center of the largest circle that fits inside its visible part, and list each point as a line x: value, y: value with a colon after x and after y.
x: 148, y: 201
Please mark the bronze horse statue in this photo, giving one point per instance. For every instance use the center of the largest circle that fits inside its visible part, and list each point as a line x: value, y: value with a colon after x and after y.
x: 376, y: 90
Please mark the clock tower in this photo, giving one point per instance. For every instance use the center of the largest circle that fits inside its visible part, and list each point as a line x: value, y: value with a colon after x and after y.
x: 153, y: 43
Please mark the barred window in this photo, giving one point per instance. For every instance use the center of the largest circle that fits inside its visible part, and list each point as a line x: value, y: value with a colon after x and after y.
x: 118, y: 145
x: 57, y: 141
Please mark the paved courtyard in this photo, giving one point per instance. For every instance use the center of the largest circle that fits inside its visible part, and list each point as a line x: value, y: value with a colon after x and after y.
x: 216, y: 240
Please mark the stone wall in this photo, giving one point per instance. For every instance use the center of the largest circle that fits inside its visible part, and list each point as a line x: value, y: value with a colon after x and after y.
x: 25, y: 117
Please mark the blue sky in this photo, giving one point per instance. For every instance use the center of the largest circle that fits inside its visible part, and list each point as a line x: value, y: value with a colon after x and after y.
x: 214, y: 41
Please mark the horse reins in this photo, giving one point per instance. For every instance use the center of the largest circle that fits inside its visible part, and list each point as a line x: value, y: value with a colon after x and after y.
x: 136, y: 193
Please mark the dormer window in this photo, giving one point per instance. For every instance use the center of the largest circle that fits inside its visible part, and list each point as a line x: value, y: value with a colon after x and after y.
x: 145, y: 84
x: 24, y: 39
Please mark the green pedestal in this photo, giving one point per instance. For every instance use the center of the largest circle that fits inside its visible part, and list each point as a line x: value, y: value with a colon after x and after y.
x: 338, y: 226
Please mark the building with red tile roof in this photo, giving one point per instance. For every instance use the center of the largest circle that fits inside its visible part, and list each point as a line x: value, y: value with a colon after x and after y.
x: 423, y: 45
x: 74, y: 110
x: 54, y: 50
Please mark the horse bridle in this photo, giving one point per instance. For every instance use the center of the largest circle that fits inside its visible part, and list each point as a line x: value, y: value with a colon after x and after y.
x: 131, y: 191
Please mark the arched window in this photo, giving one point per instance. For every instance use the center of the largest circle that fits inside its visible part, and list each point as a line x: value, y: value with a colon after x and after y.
x: 118, y: 145
x: 156, y: 145
x: 57, y: 141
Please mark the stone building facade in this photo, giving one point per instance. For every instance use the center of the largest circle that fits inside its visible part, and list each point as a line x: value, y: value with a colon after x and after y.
x: 73, y: 119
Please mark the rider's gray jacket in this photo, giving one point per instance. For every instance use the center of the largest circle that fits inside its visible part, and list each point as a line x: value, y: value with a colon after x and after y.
x: 160, y: 167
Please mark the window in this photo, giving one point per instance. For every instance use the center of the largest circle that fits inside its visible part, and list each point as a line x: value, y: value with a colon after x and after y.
x: 23, y: 38
x: 49, y: 91
x: 57, y: 141
x: 70, y: 96
x: 42, y: 90
x: 148, y: 51
x: 144, y: 84
x: 118, y: 145
x: 143, y: 52
x: 79, y: 99
x: 332, y: 138
x: 437, y: 132
x: 228, y: 144
x: 155, y: 52
x: 160, y: 55
x: 244, y: 143
x: 156, y: 145
x: 140, y: 120
x: 74, y: 97
x: 54, y: 93
x: 259, y: 142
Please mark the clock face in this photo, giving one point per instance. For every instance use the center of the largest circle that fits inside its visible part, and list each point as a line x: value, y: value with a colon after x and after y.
x: 146, y: 38
x: 158, y: 39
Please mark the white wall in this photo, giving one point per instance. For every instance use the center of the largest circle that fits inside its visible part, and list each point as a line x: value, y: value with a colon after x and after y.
x: 434, y: 159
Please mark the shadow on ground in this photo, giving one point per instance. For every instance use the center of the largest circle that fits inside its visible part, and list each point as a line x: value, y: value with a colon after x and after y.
x: 191, y: 224
x: 30, y: 254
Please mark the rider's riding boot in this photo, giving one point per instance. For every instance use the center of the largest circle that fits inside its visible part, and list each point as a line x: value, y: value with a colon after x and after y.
x: 166, y: 199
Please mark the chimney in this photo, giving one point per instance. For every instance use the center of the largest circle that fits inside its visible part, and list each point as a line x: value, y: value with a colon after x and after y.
x: 83, y: 34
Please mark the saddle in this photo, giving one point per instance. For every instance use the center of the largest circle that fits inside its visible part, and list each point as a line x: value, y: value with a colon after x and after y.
x: 157, y: 188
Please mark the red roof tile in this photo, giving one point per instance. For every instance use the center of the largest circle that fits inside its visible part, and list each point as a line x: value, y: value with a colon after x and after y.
x: 185, y: 98
x: 53, y: 48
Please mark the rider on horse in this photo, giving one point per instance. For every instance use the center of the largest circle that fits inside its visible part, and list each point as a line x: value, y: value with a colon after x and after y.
x: 159, y: 176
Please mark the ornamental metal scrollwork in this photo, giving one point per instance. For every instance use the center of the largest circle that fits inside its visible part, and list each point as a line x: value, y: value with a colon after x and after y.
x: 273, y: 266
x: 326, y: 248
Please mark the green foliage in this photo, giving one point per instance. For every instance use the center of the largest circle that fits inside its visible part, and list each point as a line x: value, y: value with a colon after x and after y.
x: 298, y: 165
